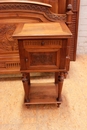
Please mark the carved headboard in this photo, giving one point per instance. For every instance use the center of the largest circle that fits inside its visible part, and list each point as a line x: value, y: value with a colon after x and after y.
x: 29, y: 10
x: 13, y: 13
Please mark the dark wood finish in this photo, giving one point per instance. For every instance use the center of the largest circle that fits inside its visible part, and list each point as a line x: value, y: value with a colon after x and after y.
x: 12, y: 15
x: 43, y: 48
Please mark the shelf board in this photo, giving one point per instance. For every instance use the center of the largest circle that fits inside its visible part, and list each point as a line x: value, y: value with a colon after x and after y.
x: 43, y: 94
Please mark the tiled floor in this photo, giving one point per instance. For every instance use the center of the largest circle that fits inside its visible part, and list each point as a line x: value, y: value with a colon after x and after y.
x: 72, y: 114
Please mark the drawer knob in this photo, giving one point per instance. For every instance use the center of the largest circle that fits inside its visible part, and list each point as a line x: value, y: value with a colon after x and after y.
x: 26, y: 59
x: 42, y: 43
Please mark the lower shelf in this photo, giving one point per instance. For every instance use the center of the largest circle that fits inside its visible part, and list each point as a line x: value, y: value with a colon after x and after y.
x: 46, y: 94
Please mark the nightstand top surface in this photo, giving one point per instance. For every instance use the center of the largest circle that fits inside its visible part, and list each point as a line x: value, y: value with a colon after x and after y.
x: 51, y: 29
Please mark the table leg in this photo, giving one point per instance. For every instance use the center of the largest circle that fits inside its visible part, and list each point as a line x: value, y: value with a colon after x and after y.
x: 28, y: 78
x: 26, y: 86
x: 60, y: 85
x: 56, y: 77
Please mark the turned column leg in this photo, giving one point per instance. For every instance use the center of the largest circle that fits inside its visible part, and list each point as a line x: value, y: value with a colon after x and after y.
x: 26, y: 86
x: 28, y: 78
x: 60, y: 85
x: 56, y: 77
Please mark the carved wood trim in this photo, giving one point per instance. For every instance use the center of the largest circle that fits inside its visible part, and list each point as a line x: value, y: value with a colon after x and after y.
x: 42, y: 43
x: 9, y: 65
x: 7, y: 43
x: 12, y: 65
x: 33, y: 7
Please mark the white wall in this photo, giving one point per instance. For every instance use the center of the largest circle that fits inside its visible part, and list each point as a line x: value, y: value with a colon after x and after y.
x: 82, y: 31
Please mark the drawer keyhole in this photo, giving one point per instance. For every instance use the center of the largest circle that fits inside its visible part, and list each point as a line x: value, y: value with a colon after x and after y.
x: 42, y: 43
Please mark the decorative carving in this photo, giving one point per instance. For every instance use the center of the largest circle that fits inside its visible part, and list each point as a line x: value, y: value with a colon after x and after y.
x: 8, y: 65
x: 56, y: 17
x: 33, y: 7
x: 29, y: 43
x: 69, y: 7
x: 7, y: 43
x: 25, y: 81
x: 12, y: 64
x: 25, y: 77
x: 43, y: 58
x: 61, y: 77
x: 75, y: 5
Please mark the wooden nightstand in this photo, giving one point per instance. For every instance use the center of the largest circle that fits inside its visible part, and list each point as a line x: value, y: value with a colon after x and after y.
x: 43, y: 47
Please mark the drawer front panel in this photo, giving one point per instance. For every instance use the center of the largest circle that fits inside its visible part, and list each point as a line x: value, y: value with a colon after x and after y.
x: 42, y: 43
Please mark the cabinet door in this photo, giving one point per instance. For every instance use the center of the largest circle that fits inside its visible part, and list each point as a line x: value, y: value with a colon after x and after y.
x: 42, y: 59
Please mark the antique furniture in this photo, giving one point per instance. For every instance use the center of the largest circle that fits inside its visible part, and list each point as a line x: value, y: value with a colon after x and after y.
x: 43, y: 47
x: 15, y: 12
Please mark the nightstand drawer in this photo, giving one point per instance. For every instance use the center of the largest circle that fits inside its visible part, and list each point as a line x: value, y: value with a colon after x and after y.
x: 42, y: 43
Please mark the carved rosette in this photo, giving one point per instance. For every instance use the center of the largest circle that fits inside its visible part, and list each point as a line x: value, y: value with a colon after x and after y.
x: 33, y: 7
x: 7, y: 43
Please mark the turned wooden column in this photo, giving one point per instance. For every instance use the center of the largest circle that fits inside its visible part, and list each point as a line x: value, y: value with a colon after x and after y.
x: 60, y: 85
x: 28, y: 75
x: 69, y: 23
x: 26, y: 85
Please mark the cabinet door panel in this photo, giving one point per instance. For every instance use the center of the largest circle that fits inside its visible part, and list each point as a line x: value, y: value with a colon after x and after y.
x: 42, y: 59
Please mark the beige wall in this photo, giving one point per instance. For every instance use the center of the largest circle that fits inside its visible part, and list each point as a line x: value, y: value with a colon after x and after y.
x: 82, y: 31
